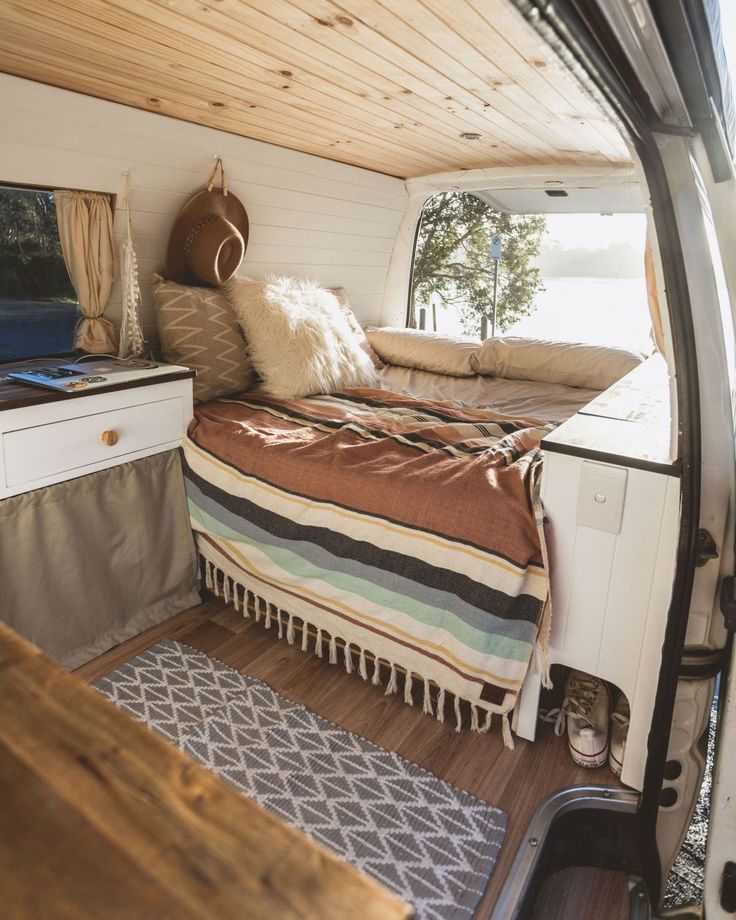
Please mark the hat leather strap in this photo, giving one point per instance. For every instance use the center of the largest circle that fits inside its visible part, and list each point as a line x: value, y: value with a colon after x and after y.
x: 192, y: 234
x: 213, y: 178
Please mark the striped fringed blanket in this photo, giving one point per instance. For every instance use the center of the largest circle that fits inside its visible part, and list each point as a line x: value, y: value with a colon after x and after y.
x: 408, y: 529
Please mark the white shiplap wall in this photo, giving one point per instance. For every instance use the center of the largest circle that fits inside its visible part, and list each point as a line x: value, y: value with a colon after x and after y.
x: 308, y: 216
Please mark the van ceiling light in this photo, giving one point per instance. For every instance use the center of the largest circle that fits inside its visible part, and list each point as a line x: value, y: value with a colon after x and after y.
x: 555, y: 192
x: 470, y: 136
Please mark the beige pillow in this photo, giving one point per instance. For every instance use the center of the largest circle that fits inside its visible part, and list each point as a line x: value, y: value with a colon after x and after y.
x: 593, y: 367
x: 197, y: 328
x: 427, y: 351
x: 298, y: 337
x: 360, y: 336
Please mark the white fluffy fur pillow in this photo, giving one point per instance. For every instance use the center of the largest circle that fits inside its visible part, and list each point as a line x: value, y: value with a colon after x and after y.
x: 298, y: 337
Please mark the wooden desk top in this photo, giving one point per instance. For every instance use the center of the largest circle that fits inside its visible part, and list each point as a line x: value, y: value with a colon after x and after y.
x: 14, y: 394
x: 628, y: 424
x: 100, y: 817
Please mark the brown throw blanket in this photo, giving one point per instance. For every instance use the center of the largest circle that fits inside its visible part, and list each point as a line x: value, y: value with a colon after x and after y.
x: 409, y: 529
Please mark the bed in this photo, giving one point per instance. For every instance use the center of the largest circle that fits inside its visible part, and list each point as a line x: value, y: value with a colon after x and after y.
x: 360, y: 515
x: 394, y: 528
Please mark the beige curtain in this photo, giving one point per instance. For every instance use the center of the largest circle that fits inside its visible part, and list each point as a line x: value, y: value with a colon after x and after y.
x: 85, y: 228
x: 655, y: 308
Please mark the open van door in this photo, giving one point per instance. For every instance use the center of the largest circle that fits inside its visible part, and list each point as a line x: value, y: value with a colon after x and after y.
x: 718, y: 207
x: 658, y: 65
x: 699, y: 182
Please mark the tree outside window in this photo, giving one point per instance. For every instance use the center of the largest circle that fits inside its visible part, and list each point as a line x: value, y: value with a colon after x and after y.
x: 453, y: 273
x: 38, y: 305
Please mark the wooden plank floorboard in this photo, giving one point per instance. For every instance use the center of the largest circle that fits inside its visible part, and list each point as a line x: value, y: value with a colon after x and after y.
x: 516, y: 781
x: 118, y: 655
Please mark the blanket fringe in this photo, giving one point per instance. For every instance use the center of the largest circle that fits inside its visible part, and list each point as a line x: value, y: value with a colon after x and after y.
x: 441, y: 705
x: 393, y: 682
x: 376, y: 672
x: 427, y: 702
x: 506, y: 731
x: 408, y: 698
x: 215, y: 579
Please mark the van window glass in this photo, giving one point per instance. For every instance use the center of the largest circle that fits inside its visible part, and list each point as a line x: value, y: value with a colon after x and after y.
x: 454, y: 275
x: 38, y: 305
x: 570, y: 277
x: 595, y: 291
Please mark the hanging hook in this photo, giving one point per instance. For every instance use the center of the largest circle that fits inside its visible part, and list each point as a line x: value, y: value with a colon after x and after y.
x: 213, y: 177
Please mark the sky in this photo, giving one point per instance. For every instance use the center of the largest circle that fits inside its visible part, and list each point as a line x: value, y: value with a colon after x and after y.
x: 595, y: 231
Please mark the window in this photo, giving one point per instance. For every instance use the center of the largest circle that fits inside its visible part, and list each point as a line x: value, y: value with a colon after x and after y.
x: 38, y: 306
x: 593, y: 284
x: 570, y: 277
x: 454, y: 276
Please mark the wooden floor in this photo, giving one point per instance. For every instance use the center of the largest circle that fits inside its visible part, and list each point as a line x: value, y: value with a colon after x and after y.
x: 515, y: 781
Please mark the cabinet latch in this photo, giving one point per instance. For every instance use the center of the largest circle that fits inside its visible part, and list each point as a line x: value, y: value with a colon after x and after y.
x: 705, y: 548
x: 728, y: 602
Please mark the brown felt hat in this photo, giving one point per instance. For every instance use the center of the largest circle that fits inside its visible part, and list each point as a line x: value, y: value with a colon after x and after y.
x: 209, y: 237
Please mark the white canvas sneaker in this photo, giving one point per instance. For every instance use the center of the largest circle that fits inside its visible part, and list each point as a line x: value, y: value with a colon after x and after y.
x: 585, y: 712
x: 619, y: 730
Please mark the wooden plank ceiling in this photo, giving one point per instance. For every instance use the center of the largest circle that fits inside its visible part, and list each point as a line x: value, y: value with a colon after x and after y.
x: 390, y: 85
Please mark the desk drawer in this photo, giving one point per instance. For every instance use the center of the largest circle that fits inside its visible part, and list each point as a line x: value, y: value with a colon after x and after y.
x: 71, y: 444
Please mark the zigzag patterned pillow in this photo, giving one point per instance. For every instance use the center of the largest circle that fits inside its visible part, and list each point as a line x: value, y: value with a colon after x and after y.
x: 197, y: 328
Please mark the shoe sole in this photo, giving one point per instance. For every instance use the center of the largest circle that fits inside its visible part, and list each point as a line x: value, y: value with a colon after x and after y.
x: 589, y: 761
x: 615, y: 765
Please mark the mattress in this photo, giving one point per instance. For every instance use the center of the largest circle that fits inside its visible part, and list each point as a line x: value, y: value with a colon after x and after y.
x: 541, y: 402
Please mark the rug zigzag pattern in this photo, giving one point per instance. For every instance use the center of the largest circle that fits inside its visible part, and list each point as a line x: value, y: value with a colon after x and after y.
x: 431, y: 843
x: 171, y: 688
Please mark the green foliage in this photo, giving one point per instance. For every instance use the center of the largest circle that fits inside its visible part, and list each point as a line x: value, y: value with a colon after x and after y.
x: 452, y: 262
x: 31, y: 260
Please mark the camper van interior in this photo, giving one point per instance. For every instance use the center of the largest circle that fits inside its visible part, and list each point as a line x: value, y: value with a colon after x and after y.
x: 367, y: 390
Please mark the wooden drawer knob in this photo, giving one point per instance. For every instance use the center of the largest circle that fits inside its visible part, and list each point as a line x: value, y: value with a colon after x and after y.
x: 110, y: 437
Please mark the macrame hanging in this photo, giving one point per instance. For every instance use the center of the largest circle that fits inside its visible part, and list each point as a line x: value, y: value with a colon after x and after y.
x: 131, y: 334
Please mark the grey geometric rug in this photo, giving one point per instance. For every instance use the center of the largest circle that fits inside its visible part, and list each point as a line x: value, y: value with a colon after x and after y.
x: 432, y: 844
